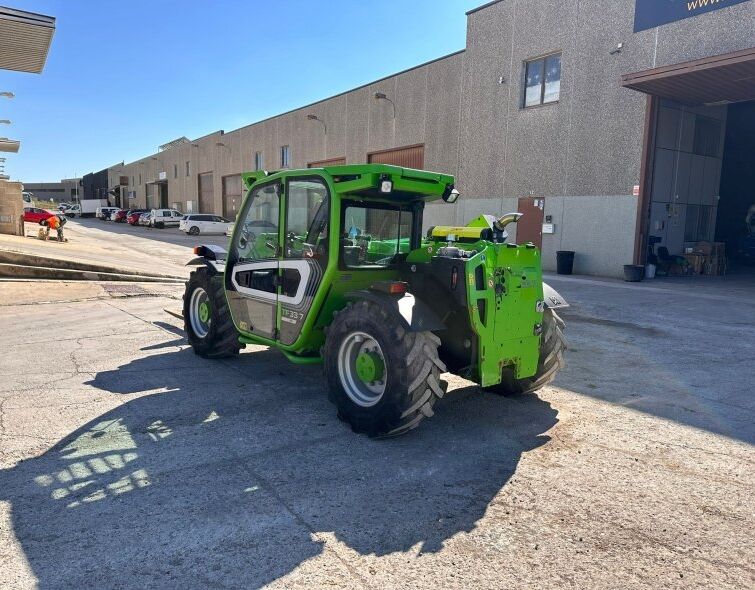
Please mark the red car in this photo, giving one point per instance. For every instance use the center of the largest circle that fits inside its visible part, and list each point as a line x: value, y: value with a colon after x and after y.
x: 132, y: 217
x: 120, y: 216
x: 35, y: 215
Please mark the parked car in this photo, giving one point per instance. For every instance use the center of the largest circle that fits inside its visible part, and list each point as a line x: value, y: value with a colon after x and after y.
x: 164, y: 217
x: 202, y: 223
x: 118, y: 216
x: 35, y: 214
x: 144, y: 219
x: 132, y: 216
x: 104, y: 212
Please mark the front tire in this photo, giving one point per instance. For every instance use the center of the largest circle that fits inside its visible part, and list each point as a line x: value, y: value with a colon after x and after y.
x: 193, y: 231
x: 553, y: 345
x: 382, y: 379
x: 207, y: 319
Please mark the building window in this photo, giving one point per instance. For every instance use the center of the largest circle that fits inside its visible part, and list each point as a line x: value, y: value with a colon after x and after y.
x: 259, y: 161
x: 132, y: 181
x: 542, y: 80
x: 285, y: 156
x: 188, y: 168
x: 175, y: 170
x: 140, y: 179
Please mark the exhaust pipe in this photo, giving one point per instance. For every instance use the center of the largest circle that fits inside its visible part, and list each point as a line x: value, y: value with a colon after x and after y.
x: 501, y: 223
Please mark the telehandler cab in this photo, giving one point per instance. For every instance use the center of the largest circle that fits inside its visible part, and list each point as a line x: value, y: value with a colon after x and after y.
x: 331, y: 266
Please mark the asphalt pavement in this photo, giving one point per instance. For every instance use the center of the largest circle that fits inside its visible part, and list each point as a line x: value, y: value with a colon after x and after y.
x: 133, y: 463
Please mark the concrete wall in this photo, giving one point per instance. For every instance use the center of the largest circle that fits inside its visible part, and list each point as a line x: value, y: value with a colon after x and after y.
x: 11, y: 208
x: 427, y: 102
x: 583, y: 154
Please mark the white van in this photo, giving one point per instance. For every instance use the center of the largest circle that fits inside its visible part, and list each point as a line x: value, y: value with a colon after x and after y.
x: 164, y: 218
x: 104, y: 213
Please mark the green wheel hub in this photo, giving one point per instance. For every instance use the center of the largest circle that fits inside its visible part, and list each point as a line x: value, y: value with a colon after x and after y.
x: 362, y: 369
x: 204, y: 311
x: 370, y: 367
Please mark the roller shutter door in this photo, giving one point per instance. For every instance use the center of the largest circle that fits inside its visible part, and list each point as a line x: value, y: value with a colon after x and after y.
x: 331, y: 162
x: 232, y: 193
x: 206, y: 200
x: 408, y: 157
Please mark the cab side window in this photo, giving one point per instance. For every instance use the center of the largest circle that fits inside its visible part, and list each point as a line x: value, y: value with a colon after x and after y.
x: 257, y: 238
x: 307, y: 219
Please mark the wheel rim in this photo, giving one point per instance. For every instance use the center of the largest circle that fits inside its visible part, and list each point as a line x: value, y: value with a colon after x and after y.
x: 362, y: 369
x: 200, y: 312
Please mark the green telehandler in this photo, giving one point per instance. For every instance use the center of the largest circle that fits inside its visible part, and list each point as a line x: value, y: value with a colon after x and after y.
x: 331, y: 265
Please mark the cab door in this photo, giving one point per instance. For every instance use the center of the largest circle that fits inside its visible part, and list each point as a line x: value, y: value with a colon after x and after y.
x: 251, y: 276
x: 304, y: 257
x: 278, y: 256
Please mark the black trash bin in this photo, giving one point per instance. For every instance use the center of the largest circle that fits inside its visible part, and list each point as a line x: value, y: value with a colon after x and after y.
x: 564, y: 262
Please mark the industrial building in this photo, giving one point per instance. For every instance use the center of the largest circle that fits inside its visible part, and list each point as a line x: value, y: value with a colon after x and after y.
x: 95, y: 185
x: 606, y: 123
x: 67, y: 190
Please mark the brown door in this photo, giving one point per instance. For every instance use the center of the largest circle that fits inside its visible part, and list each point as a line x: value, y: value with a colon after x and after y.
x: 206, y: 200
x: 231, y: 196
x: 331, y: 162
x: 530, y: 227
x: 412, y: 156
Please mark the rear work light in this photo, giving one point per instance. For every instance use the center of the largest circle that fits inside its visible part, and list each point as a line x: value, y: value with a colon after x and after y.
x: 386, y: 185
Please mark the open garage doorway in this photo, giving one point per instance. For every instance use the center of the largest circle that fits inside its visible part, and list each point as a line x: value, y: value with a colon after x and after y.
x: 697, y: 209
x: 735, y: 219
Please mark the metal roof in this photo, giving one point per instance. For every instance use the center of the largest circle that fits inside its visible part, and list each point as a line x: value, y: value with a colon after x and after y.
x: 9, y: 145
x: 25, y: 39
x: 721, y: 79
x: 175, y: 143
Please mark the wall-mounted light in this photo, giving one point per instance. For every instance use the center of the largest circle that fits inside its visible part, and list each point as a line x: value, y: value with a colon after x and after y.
x: 312, y: 117
x: 383, y: 96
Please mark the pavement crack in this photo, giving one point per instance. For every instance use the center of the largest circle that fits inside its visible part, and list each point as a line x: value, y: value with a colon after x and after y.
x: 152, y: 324
x: 301, y: 520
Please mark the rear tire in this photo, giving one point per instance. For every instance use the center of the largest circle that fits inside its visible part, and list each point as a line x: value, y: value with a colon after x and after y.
x: 409, y: 384
x: 551, y: 360
x: 207, y: 319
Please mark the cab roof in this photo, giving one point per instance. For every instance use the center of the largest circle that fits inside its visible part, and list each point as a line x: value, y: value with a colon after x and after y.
x: 365, y: 180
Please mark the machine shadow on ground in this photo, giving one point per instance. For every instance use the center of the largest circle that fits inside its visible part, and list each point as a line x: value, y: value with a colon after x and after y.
x: 235, y: 473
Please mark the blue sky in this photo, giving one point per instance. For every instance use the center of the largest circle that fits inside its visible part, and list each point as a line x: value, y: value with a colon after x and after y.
x: 124, y: 77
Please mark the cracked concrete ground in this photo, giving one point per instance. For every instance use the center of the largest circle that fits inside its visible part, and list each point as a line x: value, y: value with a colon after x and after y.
x: 132, y: 463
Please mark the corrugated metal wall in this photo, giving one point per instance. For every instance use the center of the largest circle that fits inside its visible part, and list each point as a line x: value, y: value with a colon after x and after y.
x: 330, y: 162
